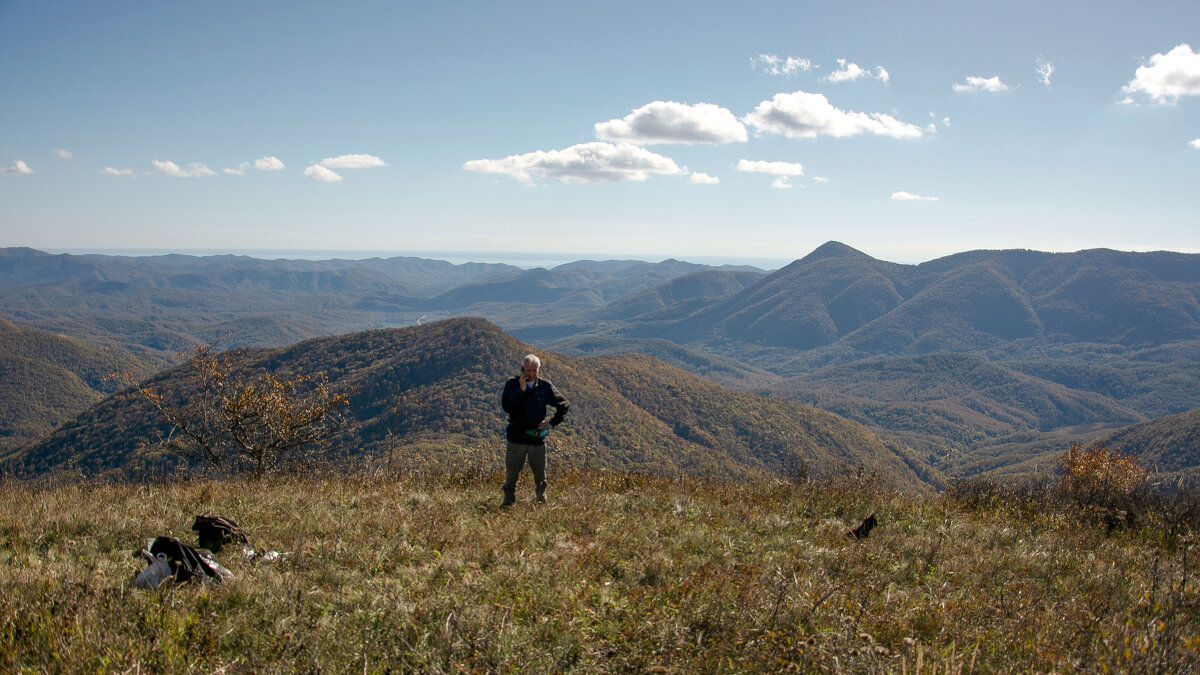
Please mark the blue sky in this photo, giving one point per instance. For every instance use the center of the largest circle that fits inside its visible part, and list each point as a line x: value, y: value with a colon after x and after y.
x: 642, y: 129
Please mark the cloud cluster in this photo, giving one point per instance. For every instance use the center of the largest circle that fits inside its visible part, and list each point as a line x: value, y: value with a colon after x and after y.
x: 619, y: 154
x: 62, y: 154
x: 268, y: 163
x: 323, y: 171
x: 806, y: 115
x: 352, y: 162
x: 321, y: 174
x: 903, y: 196
x: 773, y: 65
x: 595, y: 162
x: 169, y: 168
x: 672, y: 122
x: 849, y: 72
x: 18, y: 167
x: 775, y: 168
x: 1195, y: 144
x: 974, y: 84
x: 783, y: 171
x: 1044, y: 70
x: 1168, y: 76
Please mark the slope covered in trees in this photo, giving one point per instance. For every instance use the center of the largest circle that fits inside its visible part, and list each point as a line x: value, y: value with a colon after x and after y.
x: 1168, y: 445
x: 428, y: 396
x: 45, y: 379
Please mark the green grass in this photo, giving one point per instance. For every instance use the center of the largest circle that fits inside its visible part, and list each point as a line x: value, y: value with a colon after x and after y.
x: 618, y: 573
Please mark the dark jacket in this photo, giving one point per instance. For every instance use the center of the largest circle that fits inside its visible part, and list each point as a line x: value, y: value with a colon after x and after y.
x: 526, y: 409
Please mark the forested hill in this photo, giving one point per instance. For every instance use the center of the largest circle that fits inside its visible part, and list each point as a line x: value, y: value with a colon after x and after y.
x: 1169, y: 445
x: 429, y: 396
x: 46, y: 379
x: 837, y: 296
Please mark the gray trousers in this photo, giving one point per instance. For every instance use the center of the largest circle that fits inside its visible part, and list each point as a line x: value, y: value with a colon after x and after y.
x: 514, y: 460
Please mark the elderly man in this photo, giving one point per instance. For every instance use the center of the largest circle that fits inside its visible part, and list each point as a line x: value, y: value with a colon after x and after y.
x: 526, y: 398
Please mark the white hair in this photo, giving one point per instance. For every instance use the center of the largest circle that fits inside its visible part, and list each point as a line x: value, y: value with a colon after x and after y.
x: 531, y: 358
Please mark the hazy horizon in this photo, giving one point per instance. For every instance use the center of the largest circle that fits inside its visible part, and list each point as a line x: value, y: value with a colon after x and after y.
x: 526, y: 260
x: 518, y: 259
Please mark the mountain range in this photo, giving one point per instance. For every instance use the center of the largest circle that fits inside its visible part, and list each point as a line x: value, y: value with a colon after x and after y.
x: 979, y: 361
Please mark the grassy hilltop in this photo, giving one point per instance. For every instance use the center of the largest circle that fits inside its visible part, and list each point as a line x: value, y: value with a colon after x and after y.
x: 619, y: 573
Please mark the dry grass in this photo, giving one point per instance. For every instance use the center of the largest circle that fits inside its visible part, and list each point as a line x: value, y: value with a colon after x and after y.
x: 619, y: 573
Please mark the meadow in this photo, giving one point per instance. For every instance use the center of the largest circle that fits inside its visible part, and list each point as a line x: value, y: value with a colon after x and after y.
x: 619, y: 572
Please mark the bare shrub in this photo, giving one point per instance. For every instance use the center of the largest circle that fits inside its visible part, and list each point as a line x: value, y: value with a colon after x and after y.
x: 234, y: 421
x: 1099, y: 479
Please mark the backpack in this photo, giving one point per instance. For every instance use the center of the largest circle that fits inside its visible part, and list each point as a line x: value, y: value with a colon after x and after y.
x: 182, y: 562
x: 216, y: 531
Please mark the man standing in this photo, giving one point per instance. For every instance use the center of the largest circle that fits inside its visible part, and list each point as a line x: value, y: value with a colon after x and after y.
x: 525, y: 399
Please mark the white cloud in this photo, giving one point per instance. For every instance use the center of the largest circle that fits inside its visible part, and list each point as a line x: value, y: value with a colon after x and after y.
x: 1195, y: 144
x: 110, y: 171
x: 1044, y: 70
x: 1169, y: 76
x: 783, y: 171
x: 169, y: 168
x: 821, y: 179
x: 18, y: 167
x: 62, y: 154
x: 671, y: 122
x: 773, y: 65
x: 973, y: 84
x: 699, y: 178
x: 594, y: 162
x: 903, y: 196
x: 321, y: 174
x: 804, y: 115
x: 776, y: 168
x: 270, y: 163
x: 933, y: 124
x: 848, y: 72
x: 342, y: 162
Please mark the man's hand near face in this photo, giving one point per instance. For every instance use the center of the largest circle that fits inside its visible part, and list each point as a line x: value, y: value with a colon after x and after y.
x: 529, y: 375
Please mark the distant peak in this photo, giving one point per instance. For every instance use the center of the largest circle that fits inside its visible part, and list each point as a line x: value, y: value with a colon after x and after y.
x: 833, y: 249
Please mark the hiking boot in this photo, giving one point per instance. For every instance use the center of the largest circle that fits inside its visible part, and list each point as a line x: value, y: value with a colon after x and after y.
x: 509, y: 499
x: 541, y: 493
